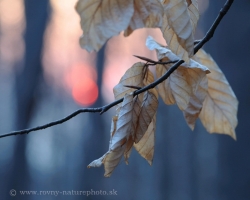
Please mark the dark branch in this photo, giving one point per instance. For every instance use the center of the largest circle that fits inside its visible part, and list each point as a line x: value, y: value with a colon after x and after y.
x: 152, y: 62
x: 103, y: 109
x: 212, y: 29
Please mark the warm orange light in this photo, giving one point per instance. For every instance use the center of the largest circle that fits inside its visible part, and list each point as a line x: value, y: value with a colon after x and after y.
x: 85, y: 92
x: 81, y: 81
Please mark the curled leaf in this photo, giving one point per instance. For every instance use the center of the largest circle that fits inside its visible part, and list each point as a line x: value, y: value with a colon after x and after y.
x: 148, y: 110
x: 145, y: 146
x: 119, y: 138
x: 191, y: 113
x: 102, y: 19
x: 177, y: 27
x: 182, y: 83
x: 176, y: 88
x: 147, y: 13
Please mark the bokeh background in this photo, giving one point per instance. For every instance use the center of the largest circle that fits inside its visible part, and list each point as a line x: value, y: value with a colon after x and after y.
x: 45, y: 75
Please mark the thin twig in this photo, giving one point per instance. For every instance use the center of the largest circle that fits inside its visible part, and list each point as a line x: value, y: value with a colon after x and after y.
x: 212, y: 29
x: 196, y: 42
x: 105, y: 108
x: 152, y: 62
x: 132, y: 86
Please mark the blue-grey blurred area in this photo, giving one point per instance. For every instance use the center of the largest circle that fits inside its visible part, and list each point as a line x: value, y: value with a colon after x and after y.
x: 187, y: 165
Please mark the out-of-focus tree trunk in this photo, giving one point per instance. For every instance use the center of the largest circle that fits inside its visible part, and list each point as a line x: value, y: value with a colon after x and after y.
x: 26, y: 87
x: 231, y: 50
x: 94, y: 144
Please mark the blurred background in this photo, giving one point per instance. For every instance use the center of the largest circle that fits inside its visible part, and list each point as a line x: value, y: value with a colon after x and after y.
x: 45, y: 75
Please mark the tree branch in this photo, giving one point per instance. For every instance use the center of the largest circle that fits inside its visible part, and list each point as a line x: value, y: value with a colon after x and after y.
x: 212, y: 29
x: 105, y: 108
x: 152, y: 62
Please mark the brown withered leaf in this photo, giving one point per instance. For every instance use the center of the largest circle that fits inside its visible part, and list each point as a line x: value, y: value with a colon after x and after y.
x: 133, y: 76
x: 142, y: 124
x: 148, y: 110
x: 147, y: 13
x: 119, y: 138
x: 179, y: 26
x: 183, y: 82
x: 136, y: 113
x: 178, y: 19
x: 103, y: 19
x: 196, y: 102
x: 98, y: 162
x: 219, y: 112
x: 145, y: 146
x: 176, y: 88
x: 194, y: 13
x: 145, y: 105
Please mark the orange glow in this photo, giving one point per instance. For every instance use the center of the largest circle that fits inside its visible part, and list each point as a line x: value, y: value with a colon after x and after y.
x: 85, y: 92
x: 81, y: 81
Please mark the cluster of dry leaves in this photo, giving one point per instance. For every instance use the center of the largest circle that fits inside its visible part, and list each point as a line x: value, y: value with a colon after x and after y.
x: 198, y: 87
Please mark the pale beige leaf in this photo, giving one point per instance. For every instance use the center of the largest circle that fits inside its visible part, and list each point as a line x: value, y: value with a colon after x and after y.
x: 194, y: 14
x: 145, y: 146
x: 119, y: 139
x: 182, y: 83
x: 219, y: 112
x: 176, y: 88
x: 178, y: 19
x: 136, y: 113
x: 132, y: 77
x: 128, y: 149
x: 173, y: 43
x: 102, y: 19
x: 195, y: 104
x: 143, y: 112
x: 98, y: 162
x: 148, y: 110
x: 166, y: 53
x: 180, y: 44
x: 147, y: 13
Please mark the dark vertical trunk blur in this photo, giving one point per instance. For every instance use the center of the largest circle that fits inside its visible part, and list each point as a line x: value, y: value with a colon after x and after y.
x: 230, y: 48
x: 26, y: 87
x: 95, y: 144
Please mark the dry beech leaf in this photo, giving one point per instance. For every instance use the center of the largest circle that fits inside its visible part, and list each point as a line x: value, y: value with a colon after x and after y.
x: 219, y: 112
x: 194, y: 13
x: 171, y: 37
x: 135, y: 116
x: 142, y: 121
x: 102, y: 19
x: 145, y: 146
x: 144, y: 106
x: 196, y: 102
x: 147, y: 13
x: 179, y: 25
x: 119, y: 137
x: 175, y: 89
x: 132, y: 77
x: 148, y: 110
x: 99, y: 162
x: 183, y: 82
